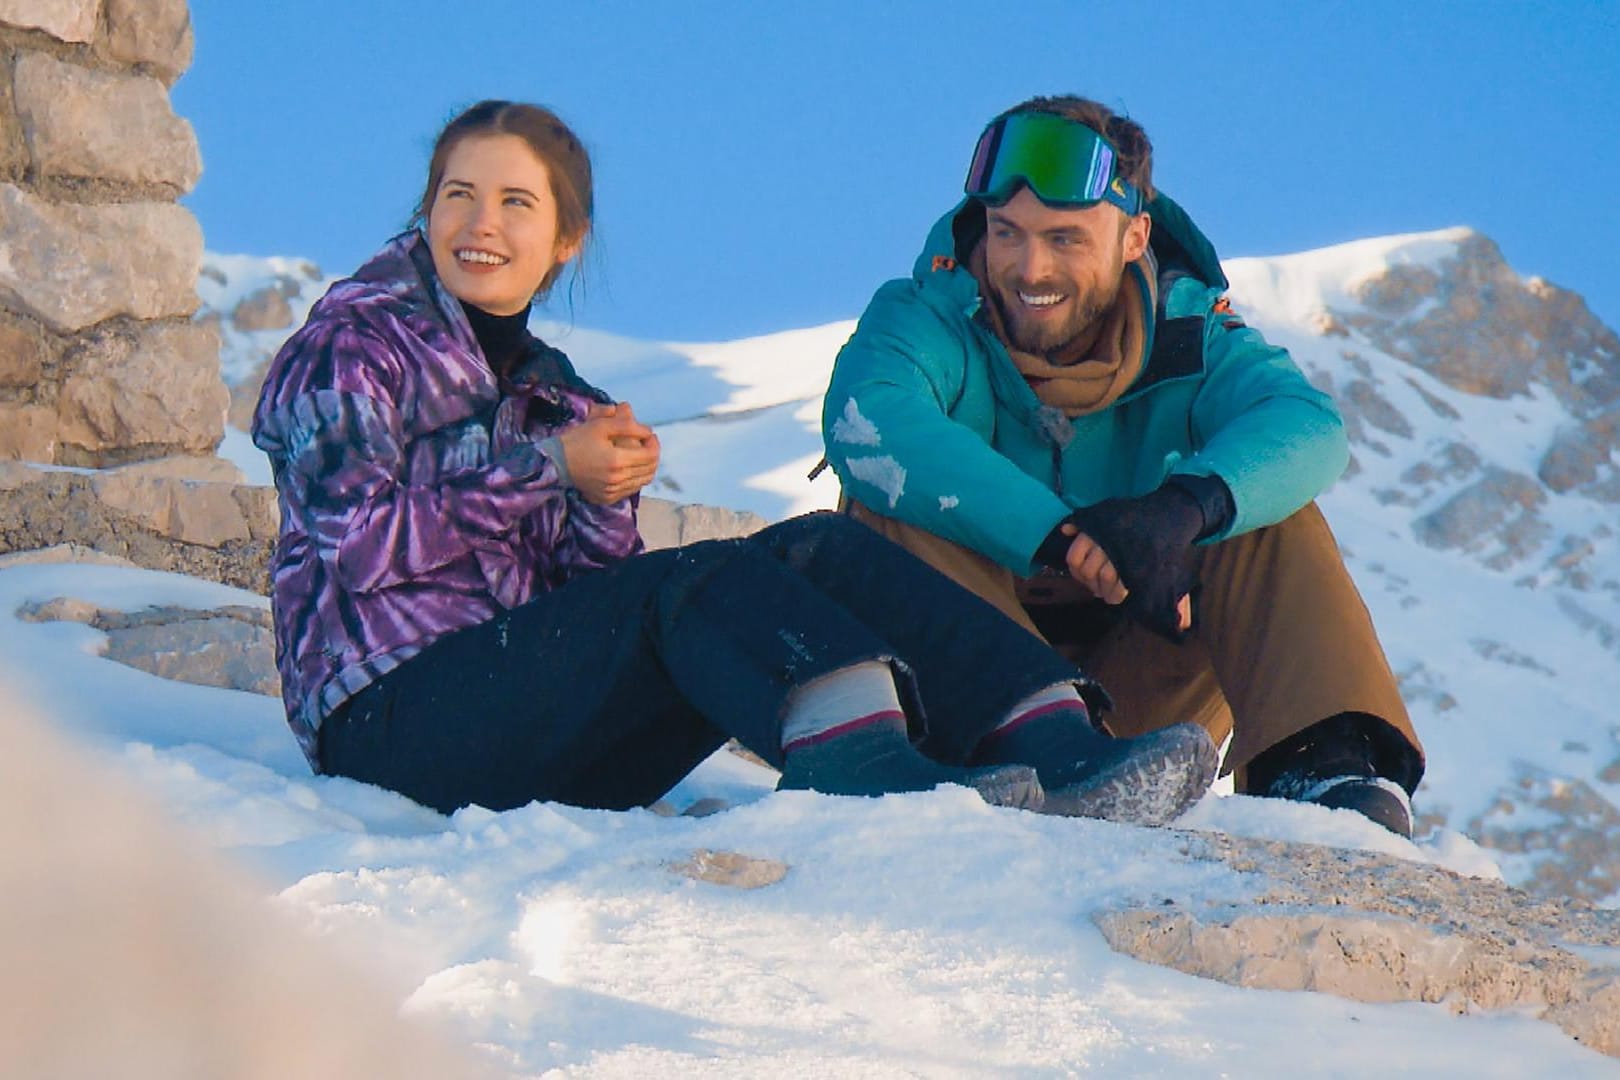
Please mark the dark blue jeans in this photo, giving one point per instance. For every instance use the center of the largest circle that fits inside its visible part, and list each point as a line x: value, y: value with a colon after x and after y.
x: 607, y: 691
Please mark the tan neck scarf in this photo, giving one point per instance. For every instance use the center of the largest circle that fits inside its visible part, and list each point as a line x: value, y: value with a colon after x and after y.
x: 1091, y: 372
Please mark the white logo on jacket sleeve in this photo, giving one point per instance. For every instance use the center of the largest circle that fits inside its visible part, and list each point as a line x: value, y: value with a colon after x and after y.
x: 883, y: 473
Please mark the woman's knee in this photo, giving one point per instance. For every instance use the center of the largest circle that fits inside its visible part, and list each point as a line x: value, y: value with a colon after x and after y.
x: 808, y: 536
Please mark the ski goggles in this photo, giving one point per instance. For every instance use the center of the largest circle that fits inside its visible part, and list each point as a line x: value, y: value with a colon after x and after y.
x: 1064, y: 163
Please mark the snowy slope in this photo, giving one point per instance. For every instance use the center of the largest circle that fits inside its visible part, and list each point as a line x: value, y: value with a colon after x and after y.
x: 927, y: 934
x: 915, y: 935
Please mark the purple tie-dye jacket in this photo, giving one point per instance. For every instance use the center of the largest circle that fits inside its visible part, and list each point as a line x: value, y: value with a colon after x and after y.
x: 415, y: 497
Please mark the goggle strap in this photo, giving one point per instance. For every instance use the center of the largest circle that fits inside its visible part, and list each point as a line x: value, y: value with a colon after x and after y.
x: 984, y: 155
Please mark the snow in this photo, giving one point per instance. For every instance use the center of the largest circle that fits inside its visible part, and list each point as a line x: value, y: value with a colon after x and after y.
x: 917, y: 935
x: 1298, y: 287
x: 883, y: 473
x: 924, y: 934
x: 853, y: 429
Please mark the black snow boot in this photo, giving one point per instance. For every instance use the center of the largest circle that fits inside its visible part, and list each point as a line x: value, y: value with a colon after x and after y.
x: 1149, y: 780
x: 878, y: 758
x: 1351, y: 761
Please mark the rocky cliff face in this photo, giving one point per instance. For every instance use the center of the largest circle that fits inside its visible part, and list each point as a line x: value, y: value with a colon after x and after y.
x: 1474, y: 324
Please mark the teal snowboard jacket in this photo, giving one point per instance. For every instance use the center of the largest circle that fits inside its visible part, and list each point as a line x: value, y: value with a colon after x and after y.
x: 928, y: 421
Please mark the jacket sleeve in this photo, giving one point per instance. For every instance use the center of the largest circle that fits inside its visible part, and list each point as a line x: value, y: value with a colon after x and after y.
x: 338, y: 452
x: 1276, y: 440
x: 598, y: 536
x: 890, y: 435
x: 584, y: 536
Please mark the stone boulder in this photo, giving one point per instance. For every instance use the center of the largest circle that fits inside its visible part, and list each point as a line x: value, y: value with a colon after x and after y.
x: 152, y: 33
x: 73, y: 266
x: 151, y: 387
x: 231, y: 647
x: 73, y: 21
x: 23, y: 352
x: 666, y: 524
x: 95, y: 125
x: 1374, y: 928
x: 27, y: 432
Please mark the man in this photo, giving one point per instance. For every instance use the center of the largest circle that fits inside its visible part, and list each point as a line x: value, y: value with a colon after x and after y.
x: 1060, y: 410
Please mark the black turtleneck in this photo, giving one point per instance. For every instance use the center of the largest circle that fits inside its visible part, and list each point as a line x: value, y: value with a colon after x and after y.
x: 503, y: 338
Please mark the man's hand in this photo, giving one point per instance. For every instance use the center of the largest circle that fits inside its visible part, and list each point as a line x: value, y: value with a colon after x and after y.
x: 612, y: 455
x: 1139, y: 552
x: 1091, y: 567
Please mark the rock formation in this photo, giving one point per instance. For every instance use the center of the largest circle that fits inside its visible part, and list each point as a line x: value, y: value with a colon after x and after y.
x: 1372, y: 928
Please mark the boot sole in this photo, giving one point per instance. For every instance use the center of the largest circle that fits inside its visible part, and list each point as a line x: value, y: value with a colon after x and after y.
x: 1170, y: 770
x: 1016, y: 787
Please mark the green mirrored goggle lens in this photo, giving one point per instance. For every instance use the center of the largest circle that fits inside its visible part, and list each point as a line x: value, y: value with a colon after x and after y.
x: 1064, y: 163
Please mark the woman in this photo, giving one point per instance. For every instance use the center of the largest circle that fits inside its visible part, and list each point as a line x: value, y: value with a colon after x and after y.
x: 463, y: 612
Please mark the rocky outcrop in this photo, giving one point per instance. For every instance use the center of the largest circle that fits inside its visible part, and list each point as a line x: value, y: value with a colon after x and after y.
x: 1374, y: 928
x: 1496, y: 511
x: 1475, y: 324
x: 264, y: 308
x: 666, y: 524
x: 1582, y: 457
x: 66, y: 20
x: 191, y: 516
x: 1472, y: 322
x: 231, y: 647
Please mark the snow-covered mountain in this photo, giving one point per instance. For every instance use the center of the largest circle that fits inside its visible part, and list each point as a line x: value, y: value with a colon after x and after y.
x: 1479, y: 514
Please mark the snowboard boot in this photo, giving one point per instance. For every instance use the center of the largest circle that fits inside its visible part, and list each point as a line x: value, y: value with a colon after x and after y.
x: 1338, y: 763
x: 1149, y: 780
x: 878, y: 758
x: 1383, y: 801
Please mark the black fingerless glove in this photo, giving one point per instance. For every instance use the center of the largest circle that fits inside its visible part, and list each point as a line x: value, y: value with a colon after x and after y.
x: 1149, y: 540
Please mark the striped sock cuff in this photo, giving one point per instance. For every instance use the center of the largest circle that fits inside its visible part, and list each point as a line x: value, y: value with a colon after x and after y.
x: 890, y: 715
x: 1059, y: 698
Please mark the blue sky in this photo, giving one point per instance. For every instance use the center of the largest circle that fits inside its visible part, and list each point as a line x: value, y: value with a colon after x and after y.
x: 762, y: 166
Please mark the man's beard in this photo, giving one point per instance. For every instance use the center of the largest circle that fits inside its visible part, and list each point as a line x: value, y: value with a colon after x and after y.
x: 1049, y: 340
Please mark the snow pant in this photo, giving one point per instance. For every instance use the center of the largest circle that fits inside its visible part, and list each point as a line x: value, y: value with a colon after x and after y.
x: 1281, y: 640
x: 607, y: 691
